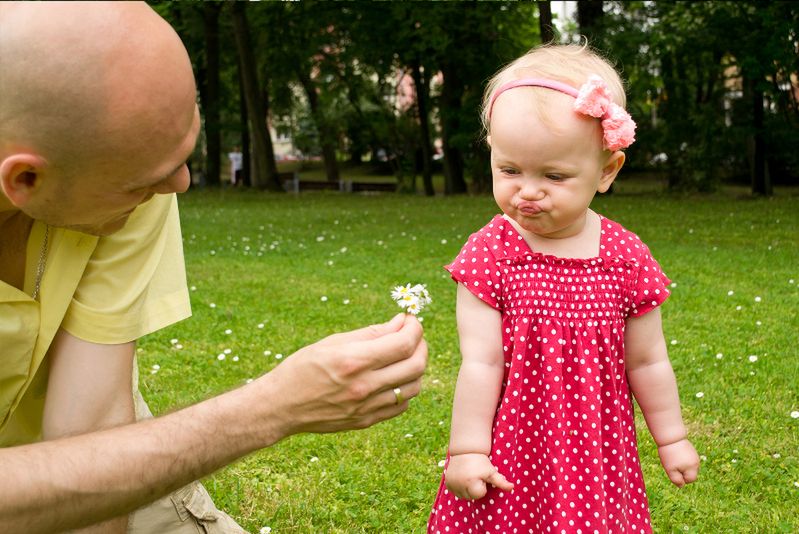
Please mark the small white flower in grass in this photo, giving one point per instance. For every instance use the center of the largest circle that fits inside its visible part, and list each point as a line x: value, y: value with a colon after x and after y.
x: 346, y: 301
x: 156, y: 367
x: 323, y: 299
x: 260, y: 325
x: 320, y: 238
x: 412, y: 299
x: 753, y: 358
x: 267, y: 352
x: 228, y: 331
x: 738, y: 308
x: 673, y: 341
x: 758, y: 299
x: 227, y: 351
x: 442, y: 463
x: 719, y: 356
x: 248, y: 381
x: 278, y: 356
x: 795, y: 414
x: 173, y: 341
x: 408, y: 436
x: 235, y: 358
x: 265, y: 530
x: 776, y: 455
x: 699, y: 395
x: 212, y: 305
x: 790, y: 281
x: 221, y: 357
x: 730, y: 293
x: 674, y: 284
x: 314, y: 459
x: 443, y: 241
x: 796, y: 484
x: 178, y: 346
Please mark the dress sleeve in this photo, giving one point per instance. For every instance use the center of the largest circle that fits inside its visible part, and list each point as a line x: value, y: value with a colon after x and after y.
x: 135, y: 281
x: 476, y: 268
x: 651, y: 288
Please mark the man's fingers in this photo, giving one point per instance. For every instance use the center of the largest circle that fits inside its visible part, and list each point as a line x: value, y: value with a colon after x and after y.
x: 403, y: 371
x: 498, y: 480
x: 390, y: 347
x: 369, y: 332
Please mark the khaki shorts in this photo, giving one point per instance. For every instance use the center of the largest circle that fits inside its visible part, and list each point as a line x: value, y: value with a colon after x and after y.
x: 188, y: 510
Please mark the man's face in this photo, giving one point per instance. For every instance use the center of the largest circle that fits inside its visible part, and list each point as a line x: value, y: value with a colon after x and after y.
x: 99, y: 200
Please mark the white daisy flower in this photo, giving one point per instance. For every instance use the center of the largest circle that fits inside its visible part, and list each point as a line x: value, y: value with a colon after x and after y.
x: 411, y: 298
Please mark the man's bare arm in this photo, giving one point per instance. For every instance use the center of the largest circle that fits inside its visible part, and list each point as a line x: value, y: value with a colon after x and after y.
x: 342, y: 382
x: 89, y: 389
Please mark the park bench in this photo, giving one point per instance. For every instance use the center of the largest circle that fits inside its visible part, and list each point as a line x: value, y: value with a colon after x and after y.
x: 292, y: 183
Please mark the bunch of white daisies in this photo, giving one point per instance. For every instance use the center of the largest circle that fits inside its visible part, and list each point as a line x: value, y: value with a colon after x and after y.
x: 412, y: 299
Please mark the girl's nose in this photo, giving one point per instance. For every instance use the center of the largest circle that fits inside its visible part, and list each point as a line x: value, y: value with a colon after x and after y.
x: 532, y: 189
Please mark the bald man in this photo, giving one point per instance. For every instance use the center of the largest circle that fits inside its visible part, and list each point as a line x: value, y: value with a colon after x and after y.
x: 97, y: 120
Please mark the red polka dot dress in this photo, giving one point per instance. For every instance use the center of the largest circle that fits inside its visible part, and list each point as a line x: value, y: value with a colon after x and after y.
x: 564, y: 431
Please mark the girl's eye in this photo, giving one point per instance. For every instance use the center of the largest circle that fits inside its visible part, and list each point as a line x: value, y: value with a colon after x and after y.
x: 509, y: 171
x: 555, y: 177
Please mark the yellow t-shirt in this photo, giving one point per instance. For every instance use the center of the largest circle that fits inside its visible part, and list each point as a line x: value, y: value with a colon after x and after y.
x: 106, y: 290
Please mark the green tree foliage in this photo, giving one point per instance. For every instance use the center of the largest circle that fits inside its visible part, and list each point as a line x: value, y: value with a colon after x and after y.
x: 712, y: 85
x: 710, y: 88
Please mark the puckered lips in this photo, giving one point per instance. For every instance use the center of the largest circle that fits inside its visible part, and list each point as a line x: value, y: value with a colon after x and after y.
x: 529, y: 209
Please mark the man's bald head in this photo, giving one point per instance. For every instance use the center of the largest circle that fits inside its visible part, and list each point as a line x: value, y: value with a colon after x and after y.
x: 84, y: 82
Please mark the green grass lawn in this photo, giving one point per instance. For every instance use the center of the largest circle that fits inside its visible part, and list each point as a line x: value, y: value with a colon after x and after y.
x: 271, y: 273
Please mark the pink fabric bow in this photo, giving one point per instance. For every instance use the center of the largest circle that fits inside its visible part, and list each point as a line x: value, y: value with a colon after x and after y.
x: 594, y: 99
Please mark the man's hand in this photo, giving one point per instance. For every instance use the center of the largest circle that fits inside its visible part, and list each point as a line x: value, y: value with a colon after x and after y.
x: 680, y: 462
x: 346, y: 380
x: 467, y: 475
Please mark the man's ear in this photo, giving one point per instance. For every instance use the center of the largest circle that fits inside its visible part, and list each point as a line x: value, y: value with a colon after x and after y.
x: 612, y: 167
x: 20, y: 177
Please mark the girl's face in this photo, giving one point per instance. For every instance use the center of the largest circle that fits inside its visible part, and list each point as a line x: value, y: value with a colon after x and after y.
x: 545, y: 175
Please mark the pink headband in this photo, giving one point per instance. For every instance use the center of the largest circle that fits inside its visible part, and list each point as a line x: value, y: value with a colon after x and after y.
x: 592, y: 99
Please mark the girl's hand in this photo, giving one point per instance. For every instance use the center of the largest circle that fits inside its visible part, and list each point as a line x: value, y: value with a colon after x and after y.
x: 467, y: 475
x: 680, y: 461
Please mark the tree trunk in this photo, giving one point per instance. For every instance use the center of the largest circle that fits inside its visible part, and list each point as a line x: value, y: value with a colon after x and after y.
x: 213, y: 133
x: 422, y: 97
x: 545, y: 21
x: 758, y: 170
x: 454, y: 182
x: 244, y: 127
x: 326, y: 136
x: 589, y: 14
x: 265, y: 175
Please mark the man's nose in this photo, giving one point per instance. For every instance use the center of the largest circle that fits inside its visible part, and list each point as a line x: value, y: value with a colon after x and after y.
x: 177, y: 183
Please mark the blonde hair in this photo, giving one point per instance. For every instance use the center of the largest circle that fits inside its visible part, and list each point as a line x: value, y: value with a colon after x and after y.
x: 571, y: 64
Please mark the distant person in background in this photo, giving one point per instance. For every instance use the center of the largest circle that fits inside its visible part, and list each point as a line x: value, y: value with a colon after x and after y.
x: 236, y: 162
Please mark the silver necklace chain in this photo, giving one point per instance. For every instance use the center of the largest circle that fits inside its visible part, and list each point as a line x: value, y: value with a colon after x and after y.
x: 42, y: 262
